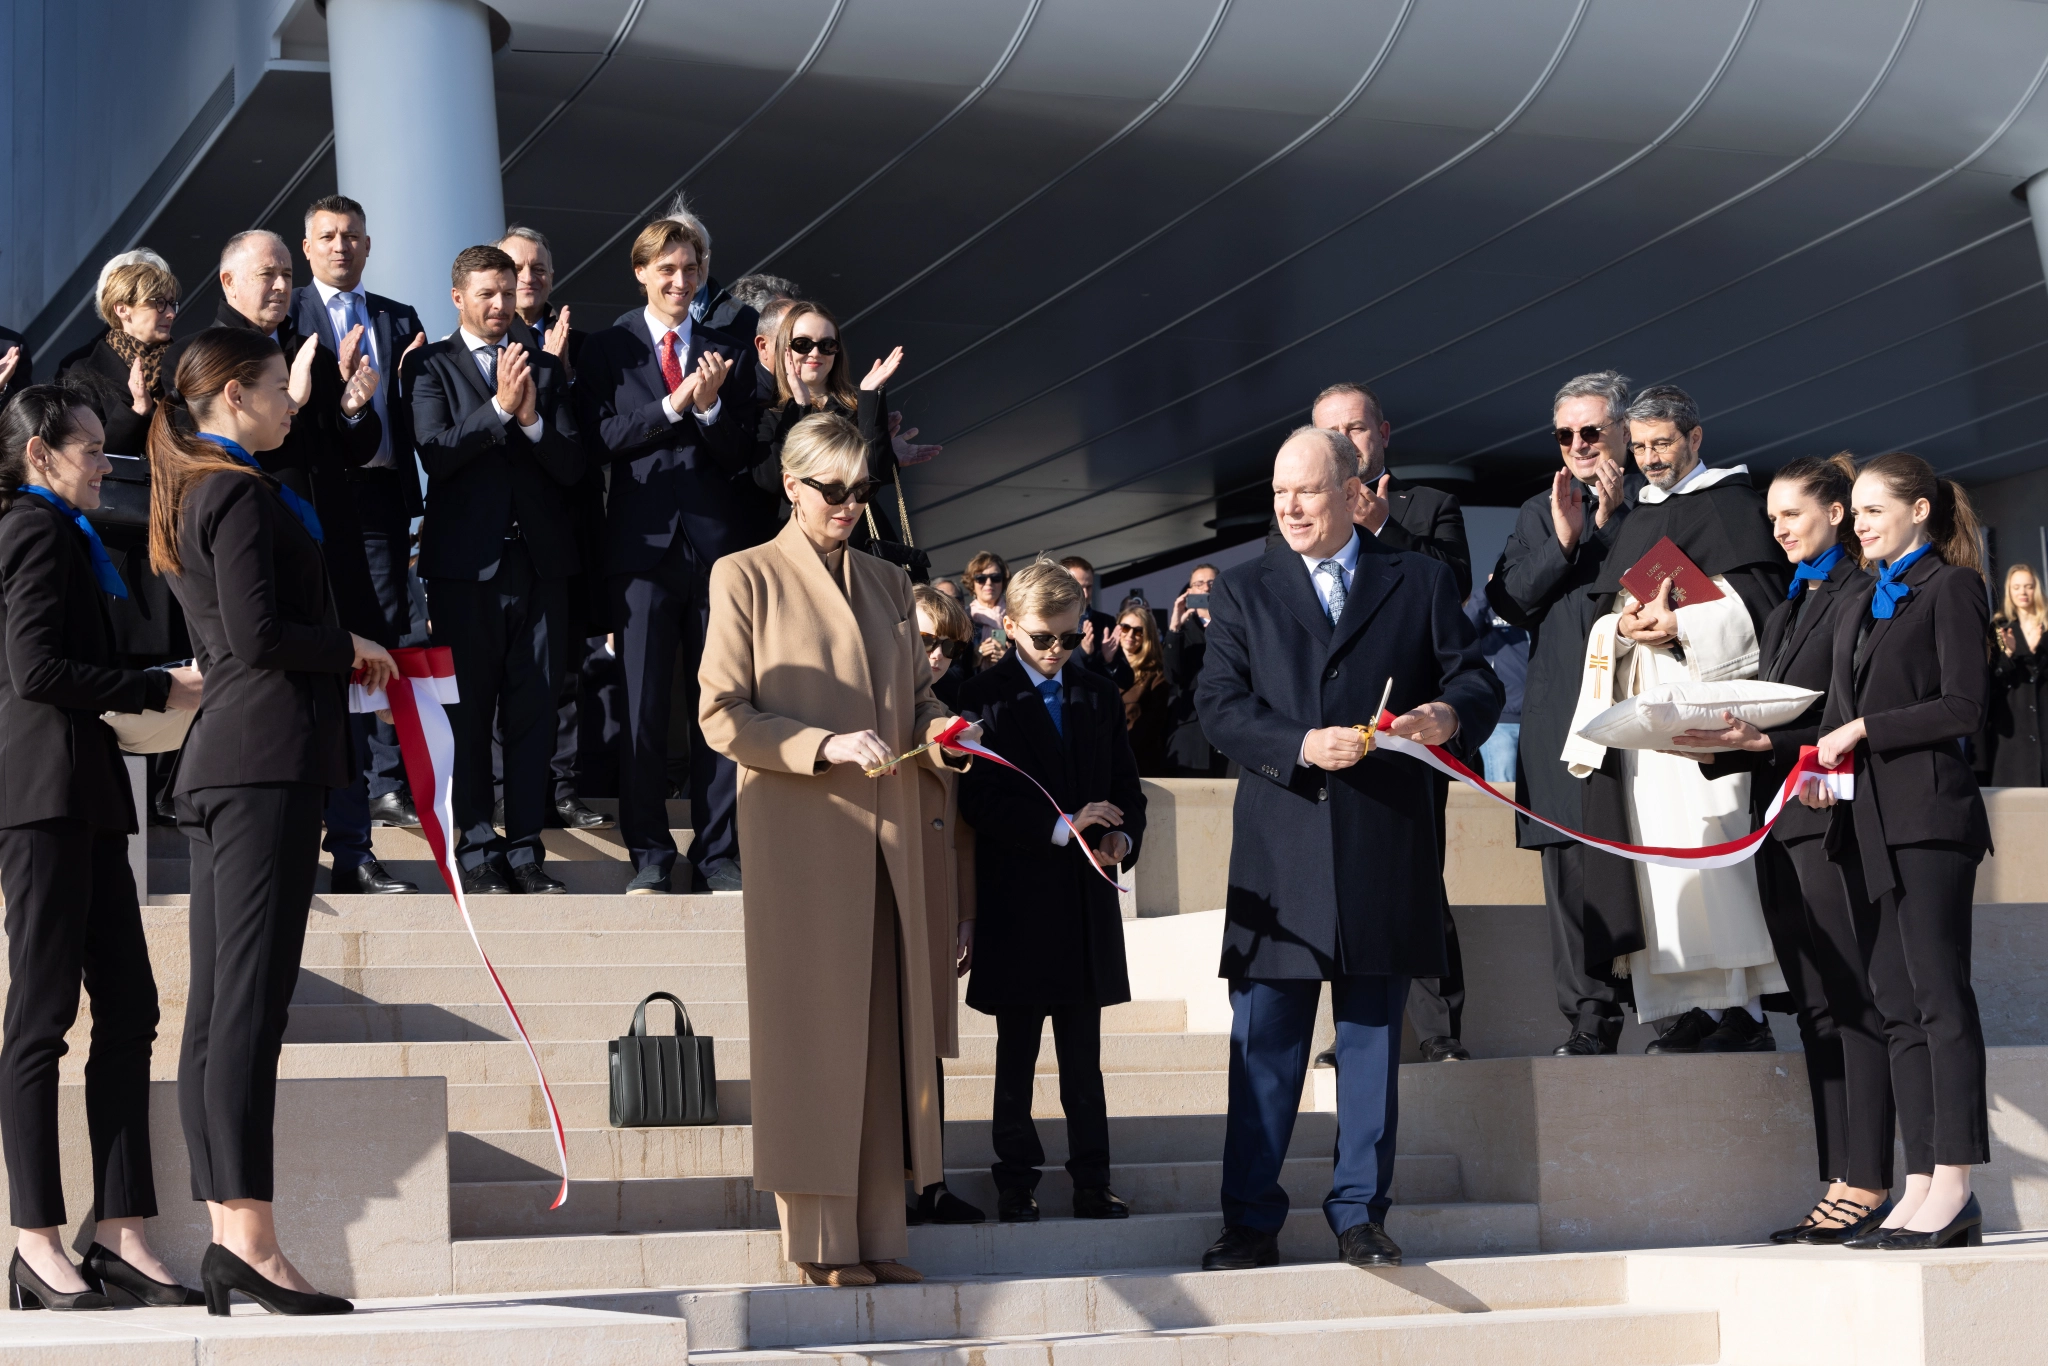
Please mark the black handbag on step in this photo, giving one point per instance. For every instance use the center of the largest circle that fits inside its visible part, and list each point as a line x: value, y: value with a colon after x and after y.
x: 661, y: 1081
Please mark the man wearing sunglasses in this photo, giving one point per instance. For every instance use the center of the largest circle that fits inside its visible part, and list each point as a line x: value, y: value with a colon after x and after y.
x: 1559, y: 547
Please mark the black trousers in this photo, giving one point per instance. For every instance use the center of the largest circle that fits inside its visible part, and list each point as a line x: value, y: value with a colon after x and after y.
x: 72, y: 919
x: 1591, y: 1000
x: 589, y: 723
x: 254, y: 852
x: 387, y: 545
x: 664, y: 615
x: 1077, y: 1040
x: 1818, y: 941
x: 1436, y: 1005
x: 1918, y: 959
x: 508, y: 636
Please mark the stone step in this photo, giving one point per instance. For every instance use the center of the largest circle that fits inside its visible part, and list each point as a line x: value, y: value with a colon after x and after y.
x: 515, y: 948
x: 436, y: 911
x: 393, y: 1331
x: 1054, y: 1246
x: 498, y: 1209
x: 534, y: 984
x: 390, y: 842
x: 1528, y: 1337
x: 588, y: 875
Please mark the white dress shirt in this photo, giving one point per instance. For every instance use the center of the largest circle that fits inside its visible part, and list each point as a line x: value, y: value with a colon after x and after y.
x: 473, y: 343
x: 659, y: 330
x: 338, y: 302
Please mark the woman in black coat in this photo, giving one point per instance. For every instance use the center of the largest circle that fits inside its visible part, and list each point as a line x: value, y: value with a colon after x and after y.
x: 2020, y: 671
x: 243, y: 554
x: 66, y: 812
x: 1909, y: 686
x: 1806, y: 906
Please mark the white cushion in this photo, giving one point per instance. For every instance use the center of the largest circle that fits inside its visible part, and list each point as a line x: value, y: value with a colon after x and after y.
x: 150, y: 732
x: 1651, y: 718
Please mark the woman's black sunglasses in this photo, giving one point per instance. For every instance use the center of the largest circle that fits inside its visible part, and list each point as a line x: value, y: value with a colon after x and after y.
x: 824, y: 346
x: 838, y: 495
x: 1042, y: 640
x: 991, y: 578
x: 945, y: 645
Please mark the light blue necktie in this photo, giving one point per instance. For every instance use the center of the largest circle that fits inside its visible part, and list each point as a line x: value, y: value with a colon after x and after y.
x: 1050, y: 691
x: 1334, y: 604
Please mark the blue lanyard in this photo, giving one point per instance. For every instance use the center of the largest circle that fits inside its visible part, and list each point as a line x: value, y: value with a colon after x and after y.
x: 102, y: 567
x: 297, y: 506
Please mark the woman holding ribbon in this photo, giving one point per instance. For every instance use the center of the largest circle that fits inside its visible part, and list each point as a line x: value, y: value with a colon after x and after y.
x: 66, y: 811
x: 813, y: 678
x: 1806, y: 908
x: 1910, y: 682
x: 243, y: 555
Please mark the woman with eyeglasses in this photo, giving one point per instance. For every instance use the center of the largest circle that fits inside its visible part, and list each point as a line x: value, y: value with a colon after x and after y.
x: 1146, y: 694
x: 814, y: 680
x: 987, y: 576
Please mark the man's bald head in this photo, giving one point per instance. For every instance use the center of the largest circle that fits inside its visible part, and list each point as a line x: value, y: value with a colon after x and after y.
x: 1314, y: 477
x: 256, y: 277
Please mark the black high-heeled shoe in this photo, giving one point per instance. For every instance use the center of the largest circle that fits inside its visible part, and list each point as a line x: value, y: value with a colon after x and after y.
x: 27, y: 1290
x: 221, y: 1272
x: 1965, y: 1230
x: 122, y: 1280
x: 1819, y: 1211
x: 1863, y: 1219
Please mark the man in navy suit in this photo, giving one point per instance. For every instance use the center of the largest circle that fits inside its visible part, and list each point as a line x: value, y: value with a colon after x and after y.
x: 1333, y: 866
x: 500, y: 442
x: 359, y: 326
x: 671, y: 401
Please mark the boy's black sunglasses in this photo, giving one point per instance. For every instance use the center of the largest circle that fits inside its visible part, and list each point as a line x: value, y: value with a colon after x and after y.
x: 1042, y: 640
x: 945, y: 645
x: 838, y: 494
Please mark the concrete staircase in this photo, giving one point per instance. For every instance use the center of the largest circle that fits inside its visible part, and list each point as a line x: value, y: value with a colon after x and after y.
x: 1518, y: 1171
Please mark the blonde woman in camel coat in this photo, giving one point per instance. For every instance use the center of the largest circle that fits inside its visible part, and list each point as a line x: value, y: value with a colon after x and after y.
x: 813, y: 673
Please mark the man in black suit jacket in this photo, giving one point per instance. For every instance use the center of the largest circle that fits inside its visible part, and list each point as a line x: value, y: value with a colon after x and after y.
x: 501, y: 447
x: 17, y: 370
x: 361, y: 327
x: 1333, y: 868
x: 671, y: 401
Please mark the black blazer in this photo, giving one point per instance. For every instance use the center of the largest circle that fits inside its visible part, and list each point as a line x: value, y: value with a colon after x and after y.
x: 57, y: 758
x: 24, y: 368
x: 276, y: 658
x: 1920, y: 680
x: 1049, y: 929
x: 484, y: 478
x: 1419, y: 518
x: 96, y: 369
x: 1335, y: 872
x: 689, y: 478
x: 1798, y: 648
x: 393, y: 325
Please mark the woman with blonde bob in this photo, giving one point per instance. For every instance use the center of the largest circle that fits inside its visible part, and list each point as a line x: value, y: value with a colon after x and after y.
x: 814, y: 678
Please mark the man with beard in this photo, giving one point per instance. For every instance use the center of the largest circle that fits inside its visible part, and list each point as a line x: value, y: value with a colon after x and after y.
x: 1694, y: 943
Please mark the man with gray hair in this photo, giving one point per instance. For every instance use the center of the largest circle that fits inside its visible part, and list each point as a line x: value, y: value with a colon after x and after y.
x: 1559, y: 546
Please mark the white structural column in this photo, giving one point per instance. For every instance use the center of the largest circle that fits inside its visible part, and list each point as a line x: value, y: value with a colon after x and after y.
x: 416, y: 140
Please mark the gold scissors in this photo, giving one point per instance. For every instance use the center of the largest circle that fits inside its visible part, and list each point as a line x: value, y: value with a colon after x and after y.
x: 879, y: 769
x: 1371, y: 729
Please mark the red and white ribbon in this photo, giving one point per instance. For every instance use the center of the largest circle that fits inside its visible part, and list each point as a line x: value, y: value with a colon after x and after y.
x: 949, y: 738
x: 416, y: 697
x: 1840, y: 781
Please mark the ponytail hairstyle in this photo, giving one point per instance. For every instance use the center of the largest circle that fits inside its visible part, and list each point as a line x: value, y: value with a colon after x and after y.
x: 1828, y: 480
x: 178, y: 460
x: 49, y: 411
x: 1952, y: 525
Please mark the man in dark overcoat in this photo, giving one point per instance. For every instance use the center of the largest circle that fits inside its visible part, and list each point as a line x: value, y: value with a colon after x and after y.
x: 1333, y: 864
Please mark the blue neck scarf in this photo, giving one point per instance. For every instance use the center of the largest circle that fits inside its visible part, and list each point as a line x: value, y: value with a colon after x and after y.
x: 1892, y: 588
x: 297, y: 506
x: 1818, y: 567
x: 102, y: 567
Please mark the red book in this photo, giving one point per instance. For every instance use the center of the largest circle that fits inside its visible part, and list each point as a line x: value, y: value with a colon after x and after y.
x: 1689, y: 587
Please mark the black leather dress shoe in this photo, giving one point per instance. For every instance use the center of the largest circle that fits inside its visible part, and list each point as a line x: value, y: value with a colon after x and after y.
x: 394, y: 808
x: 940, y: 1206
x: 1444, y: 1049
x: 648, y: 881
x: 1099, y: 1202
x: 1017, y: 1207
x: 1582, y: 1045
x: 718, y: 875
x: 1368, y: 1245
x: 370, y: 879
x: 492, y: 877
x: 1739, y: 1032
x: 1326, y: 1058
x: 1685, y: 1033
x: 571, y: 814
x: 1241, y: 1249
x: 533, y: 880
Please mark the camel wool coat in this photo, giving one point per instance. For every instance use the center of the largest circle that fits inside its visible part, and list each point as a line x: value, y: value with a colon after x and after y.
x: 948, y: 896
x: 791, y: 658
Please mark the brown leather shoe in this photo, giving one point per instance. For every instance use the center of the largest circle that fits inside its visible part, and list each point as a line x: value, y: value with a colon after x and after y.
x: 893, y: 1273
x: 852, y: 1274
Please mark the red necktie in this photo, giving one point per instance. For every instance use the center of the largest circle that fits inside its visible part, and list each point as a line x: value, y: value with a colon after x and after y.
x: 671, y: 363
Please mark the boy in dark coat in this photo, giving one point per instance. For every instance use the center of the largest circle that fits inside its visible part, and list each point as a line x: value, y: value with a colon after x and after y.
x: 1049, y: 934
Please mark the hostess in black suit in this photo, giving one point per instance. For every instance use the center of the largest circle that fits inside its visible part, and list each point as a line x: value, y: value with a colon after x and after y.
x: 496, y: 550
x: 1909, y: 843
x: 66, y: 812
x: 681, y: 496
x: 1049, y: 937
x: 1333, y: 874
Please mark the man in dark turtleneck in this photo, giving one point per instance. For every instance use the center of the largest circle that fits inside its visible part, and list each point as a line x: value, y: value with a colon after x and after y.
x: 336, y: 429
